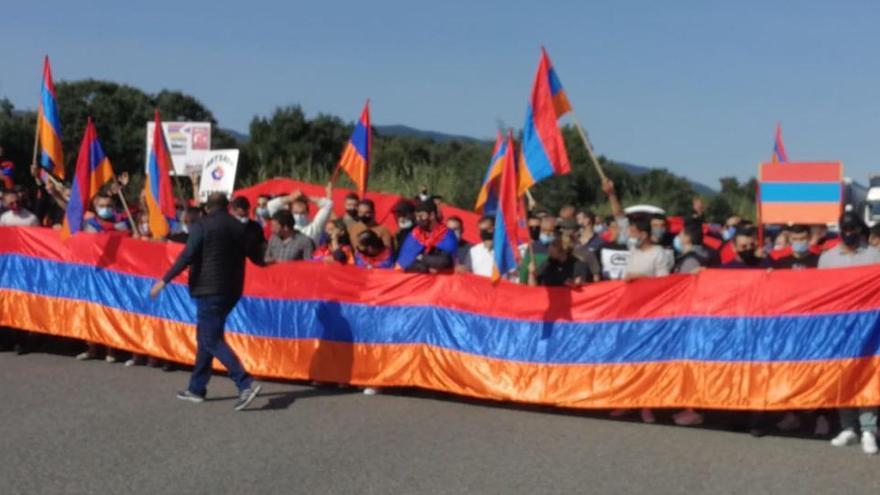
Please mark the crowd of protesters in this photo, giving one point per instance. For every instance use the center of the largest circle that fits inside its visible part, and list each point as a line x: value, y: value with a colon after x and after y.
x: 567, y: 248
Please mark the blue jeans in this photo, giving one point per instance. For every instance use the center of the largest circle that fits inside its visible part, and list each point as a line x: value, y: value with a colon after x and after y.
x: 211, y: 320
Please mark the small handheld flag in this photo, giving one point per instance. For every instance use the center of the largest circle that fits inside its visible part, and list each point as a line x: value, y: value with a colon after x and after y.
x: 49, y: 126
x: 779, y: 154
x: 93, y: 170
x: 543, y: 149
x: 159, y: 193
x: 505, y: 239
x: 355, y: 159
x: 487, y: 198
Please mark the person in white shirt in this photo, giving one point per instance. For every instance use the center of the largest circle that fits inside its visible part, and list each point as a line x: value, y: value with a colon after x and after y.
x: 480, y: 258
x: 15, y: 215
x: 298, y: 204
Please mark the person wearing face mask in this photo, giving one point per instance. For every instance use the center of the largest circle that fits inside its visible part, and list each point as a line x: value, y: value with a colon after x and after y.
x: 338, y: 247
x: 539, y: 247
x: 298, y: 205
x: 691, y: 254
x: 366, y: 220
x: 191, y: 215
x: 372, y: 252
x: 105, y: 218
x: 561, y: 269
x: 261, y: 212
x: 351, y: 216
x: 747, y: 253
x: 798, y: 254
x: 430, y: 247
x: 851, y: 251
x: 15, y: 214
x: 456, y: 225
x: 287, y: 243
x: 479, y: 259
x: 660, y: 234
x: 240, y: 209
x: 404, y: 212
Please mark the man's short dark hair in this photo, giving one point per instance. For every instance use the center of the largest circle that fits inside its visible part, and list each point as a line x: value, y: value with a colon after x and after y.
x: 747, y: 230
x: 590, y: 215
x: 353, y: 196
x: 694, y: 230
x: 851, y: 222
x: 301, y: 200
x: 456, y: 218
x: 403, y: 207
x: 641, y: 223
x: 487, y: 218
x: 261, y: 196
x: 217, y: 201
x: 426, y: 207
x: 799, y: 228
x: 241, y: 203
x: 368, y: 238
x: 284, y: 218
x: 368, y: 202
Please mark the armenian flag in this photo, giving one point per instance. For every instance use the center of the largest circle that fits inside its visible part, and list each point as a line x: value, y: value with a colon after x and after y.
x: 487, y: 198
x: 779, y: 154
x: 49, y: 126
x: 543, y: 149
x: 93, y: 170
x: 505, y: 240
x: 159, y: 194
x: 809, y: 193
x: 355, y: 159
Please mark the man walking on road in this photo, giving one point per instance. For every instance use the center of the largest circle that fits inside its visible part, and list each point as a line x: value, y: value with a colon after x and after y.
x: 215, y: 253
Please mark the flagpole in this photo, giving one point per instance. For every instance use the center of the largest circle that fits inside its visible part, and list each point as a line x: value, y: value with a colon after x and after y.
x: 134, y: 231
x: 37, y: 135
x: 588, y: 146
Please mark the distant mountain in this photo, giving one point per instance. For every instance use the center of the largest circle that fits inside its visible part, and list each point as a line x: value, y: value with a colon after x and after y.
x: 441, y: 137
x: 239, y: 137
x: 699, y: 187
x: 405, y: 131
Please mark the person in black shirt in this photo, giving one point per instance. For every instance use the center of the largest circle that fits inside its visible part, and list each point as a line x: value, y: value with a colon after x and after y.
x: 215, y: 252
x: 801, y: 257
x: 561, y: 268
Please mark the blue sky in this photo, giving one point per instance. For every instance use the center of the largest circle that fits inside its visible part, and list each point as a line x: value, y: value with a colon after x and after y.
x: 693, y: 86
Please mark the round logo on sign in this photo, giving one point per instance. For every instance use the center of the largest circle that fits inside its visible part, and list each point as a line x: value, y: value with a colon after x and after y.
x: 217, y: 173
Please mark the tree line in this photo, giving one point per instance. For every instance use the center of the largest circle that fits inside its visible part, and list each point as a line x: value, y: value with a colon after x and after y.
x: 288, y: 143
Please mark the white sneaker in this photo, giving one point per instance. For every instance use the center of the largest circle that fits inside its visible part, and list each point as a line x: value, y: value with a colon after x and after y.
x: 110, y: 358
x: 869, y: 443
x: 371, y: 391
x: 789, y: 423
x: 85, y: 355
x: 822, y: 426
x: 648, y: 416
x: 687, y: 417
x: 844, y: 438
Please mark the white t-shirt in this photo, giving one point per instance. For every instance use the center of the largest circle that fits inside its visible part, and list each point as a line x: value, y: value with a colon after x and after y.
x: 482, y: 260
x: 652, y: 262
x: 20, y: 218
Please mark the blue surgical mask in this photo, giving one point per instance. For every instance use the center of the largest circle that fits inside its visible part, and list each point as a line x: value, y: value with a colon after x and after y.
x: 262, y: 212
x: 676, y: 244
x: 800, y: 247
x: 104, y: 212
x: 727, y: 234
x: 598, y: 229
x: 546, y: 238
x: 658, y: 233
x: 300, y: 219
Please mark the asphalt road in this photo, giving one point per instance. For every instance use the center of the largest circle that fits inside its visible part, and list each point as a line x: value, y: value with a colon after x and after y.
x: 92, y: 427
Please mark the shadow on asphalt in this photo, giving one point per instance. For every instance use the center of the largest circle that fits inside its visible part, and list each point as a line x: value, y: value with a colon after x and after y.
x: 718, y: 420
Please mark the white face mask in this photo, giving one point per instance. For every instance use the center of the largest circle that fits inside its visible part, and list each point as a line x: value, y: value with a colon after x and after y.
x: 243, y: 220
x: 185, y: 228
x: 145, y: 229
x: 405, y: 223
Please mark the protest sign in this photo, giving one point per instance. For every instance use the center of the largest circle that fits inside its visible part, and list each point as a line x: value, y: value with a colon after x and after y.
x: 218, y: 173
x: 188, y: 143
